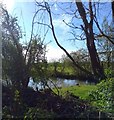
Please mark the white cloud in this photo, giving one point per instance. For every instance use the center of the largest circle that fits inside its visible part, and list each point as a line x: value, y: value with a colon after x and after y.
x: 55, y: 6
x: 58, y: 23
x: 54, y: 53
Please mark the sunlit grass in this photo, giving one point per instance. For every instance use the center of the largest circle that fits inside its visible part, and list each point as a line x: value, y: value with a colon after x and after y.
x: 82, y: 91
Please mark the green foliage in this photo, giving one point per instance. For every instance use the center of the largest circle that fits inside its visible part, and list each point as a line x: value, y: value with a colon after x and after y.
x: 35, y: 113
x: 15, y: 108
x: 18, y: 66
x: 108, y: 72
x: 39, y: 71
x: 63, y: 68
x: 13, y: 60
x: 102, y: 97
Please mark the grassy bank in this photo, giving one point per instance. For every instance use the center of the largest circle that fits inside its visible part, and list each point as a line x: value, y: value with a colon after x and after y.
x: 81, y: 91
x: 99, y: 96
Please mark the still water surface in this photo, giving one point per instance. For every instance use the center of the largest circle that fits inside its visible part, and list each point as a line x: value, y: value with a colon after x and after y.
x: 58, y: 82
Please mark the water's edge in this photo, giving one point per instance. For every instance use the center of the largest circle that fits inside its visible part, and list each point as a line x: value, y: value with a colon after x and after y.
x: 59, y: 82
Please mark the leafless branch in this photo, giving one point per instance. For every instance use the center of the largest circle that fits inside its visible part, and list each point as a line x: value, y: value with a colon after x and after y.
x: 53, y: 31
x: 45, y: 34
x: 66, y: 12
x: 43, y: 24
x: 72, y: 26
x: 77, y: 37
x: 103, y: 34
x: 29, y: 45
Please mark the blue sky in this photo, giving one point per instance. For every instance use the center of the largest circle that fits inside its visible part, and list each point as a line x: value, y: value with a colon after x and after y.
x: 25, y: 12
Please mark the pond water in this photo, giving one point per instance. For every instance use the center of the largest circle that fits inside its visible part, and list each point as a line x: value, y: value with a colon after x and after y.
x: 58, y: 82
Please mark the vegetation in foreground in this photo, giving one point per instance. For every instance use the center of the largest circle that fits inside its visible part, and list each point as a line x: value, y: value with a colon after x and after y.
x: 103, y: 96
x: 100, y: 95
x: 84, y: 101
x: 46, y: 104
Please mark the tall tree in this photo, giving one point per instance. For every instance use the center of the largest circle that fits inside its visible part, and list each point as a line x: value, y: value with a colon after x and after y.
x: 88, y: 29
x: 16, y: 64
x: 11, y: 49
x: 46, y: 7
x: 88, y: 17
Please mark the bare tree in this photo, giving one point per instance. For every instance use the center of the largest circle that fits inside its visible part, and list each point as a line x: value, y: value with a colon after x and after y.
x: 88, y: 19
x: 46, y: 7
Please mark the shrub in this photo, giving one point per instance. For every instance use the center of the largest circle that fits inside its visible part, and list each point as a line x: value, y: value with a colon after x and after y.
x: 103, y: 96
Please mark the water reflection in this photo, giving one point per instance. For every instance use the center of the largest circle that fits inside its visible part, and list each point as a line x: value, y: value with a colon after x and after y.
x: 70, y: 82
x: 56, y: 81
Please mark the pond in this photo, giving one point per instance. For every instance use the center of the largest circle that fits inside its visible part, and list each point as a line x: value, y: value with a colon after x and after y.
x: 58, y: 82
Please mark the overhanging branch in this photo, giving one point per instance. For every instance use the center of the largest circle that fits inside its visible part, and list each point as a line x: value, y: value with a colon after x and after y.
x: 55, y: 38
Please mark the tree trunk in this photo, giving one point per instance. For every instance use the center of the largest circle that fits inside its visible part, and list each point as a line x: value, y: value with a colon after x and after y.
x: 95, y: 62
x: 88, y: 29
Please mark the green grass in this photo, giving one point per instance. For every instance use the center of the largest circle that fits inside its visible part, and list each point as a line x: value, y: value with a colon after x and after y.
x: 81, y: 91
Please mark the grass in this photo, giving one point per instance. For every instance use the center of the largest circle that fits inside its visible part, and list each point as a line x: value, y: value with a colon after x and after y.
x: 81, y: 91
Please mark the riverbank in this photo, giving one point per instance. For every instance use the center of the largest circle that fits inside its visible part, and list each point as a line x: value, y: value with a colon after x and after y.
x: 85, y: 78
x: 67, y: 71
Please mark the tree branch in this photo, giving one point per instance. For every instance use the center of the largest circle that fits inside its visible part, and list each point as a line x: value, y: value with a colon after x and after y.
x: 31, y: 33
x: 53, y: 31
x: 109, y: 38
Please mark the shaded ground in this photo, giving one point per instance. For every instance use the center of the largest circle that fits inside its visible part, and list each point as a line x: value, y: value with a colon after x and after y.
x: 69, y: 107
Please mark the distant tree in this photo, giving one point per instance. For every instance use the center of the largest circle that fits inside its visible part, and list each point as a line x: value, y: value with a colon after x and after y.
x: 80, y: 55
